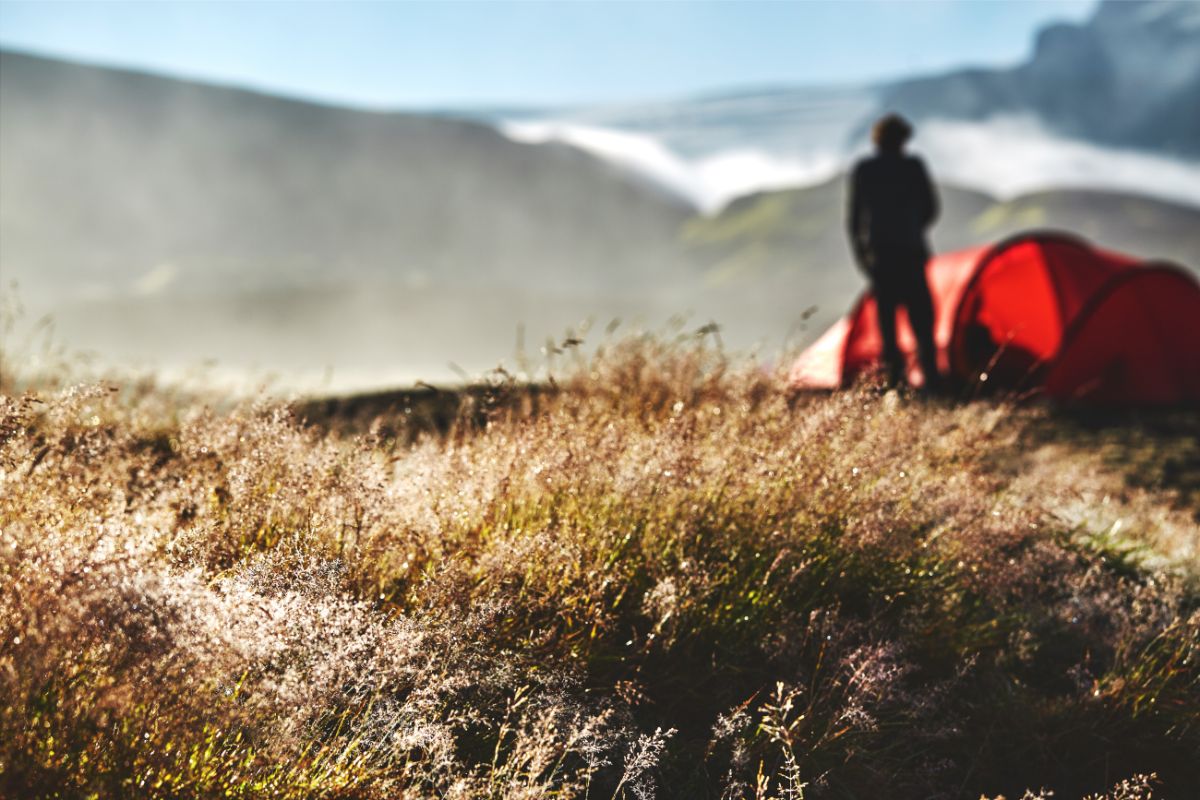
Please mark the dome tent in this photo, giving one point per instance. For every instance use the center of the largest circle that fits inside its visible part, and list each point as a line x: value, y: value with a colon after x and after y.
x: 1044, y: 313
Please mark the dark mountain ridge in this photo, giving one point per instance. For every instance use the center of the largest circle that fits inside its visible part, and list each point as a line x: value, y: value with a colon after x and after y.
x: 1128, y: 77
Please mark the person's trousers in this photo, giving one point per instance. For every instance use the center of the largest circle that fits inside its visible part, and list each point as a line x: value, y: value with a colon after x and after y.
x: 909, y: 289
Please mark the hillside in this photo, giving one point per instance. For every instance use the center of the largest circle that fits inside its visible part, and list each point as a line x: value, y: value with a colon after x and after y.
x: 124, y: 184
x: 793, y: 241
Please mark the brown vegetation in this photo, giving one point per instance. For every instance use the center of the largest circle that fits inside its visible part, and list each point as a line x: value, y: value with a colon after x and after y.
x: 668, y: 581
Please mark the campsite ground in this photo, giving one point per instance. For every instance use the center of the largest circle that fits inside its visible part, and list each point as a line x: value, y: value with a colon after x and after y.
x: 658, y: 576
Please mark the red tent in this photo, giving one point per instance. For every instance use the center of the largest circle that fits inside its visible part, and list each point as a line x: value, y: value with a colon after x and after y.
x: 1044, y: 313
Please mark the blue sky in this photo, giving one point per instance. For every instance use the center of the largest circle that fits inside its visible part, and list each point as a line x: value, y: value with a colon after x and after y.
x: 418, y: 54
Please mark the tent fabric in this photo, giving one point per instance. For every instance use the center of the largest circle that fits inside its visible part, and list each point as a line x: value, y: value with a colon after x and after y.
x: 1044, y: 313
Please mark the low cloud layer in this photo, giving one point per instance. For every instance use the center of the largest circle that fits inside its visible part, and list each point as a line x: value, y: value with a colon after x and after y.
x: 1003, y: 157
x: 1012, y: 156
x: 708, y: 182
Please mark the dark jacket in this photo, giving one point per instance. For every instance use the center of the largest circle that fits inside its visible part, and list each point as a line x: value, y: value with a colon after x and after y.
x: 892, y: 203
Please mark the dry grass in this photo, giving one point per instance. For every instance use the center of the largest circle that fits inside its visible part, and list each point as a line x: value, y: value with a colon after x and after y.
x: 669, y: 581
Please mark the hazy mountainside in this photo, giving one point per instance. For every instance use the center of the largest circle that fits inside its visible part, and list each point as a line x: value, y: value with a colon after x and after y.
x: 802, y: 230
x: 118, y: 183
x: 792, y: 243
x: 1129, y: 76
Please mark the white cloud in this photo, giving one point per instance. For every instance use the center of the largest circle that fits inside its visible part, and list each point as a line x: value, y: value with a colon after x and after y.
x: 708, y: 182
x: 1014, y: 155
x: 155, y: 280
x: 643, y: 155
x: 734, y: 173
x: 1004, y: 157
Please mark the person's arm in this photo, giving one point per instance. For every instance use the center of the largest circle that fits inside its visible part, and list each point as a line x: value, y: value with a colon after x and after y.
x: 854, y: 217
x: 930, y: 206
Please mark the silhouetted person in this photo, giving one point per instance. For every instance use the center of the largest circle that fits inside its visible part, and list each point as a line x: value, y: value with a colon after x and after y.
x: 892, y: 203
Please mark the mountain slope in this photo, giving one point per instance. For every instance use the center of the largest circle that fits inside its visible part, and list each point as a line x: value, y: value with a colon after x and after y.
x: 790, y: 246
x: 118, y: 183
x: 802, y: 230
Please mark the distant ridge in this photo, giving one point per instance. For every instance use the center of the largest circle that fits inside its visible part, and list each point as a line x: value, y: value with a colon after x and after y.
x: 111, y: 176
x: 1128, y: 77
x: 794, y: 240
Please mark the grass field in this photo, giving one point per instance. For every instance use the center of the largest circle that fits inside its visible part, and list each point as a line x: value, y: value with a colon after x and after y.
x: 660, y: 576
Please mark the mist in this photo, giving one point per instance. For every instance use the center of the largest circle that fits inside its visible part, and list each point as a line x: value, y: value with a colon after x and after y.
x: 707, y: 182
x: 1003, y: 157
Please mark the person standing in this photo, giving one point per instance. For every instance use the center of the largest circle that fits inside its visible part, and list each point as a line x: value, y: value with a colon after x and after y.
x: 892, y: 204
